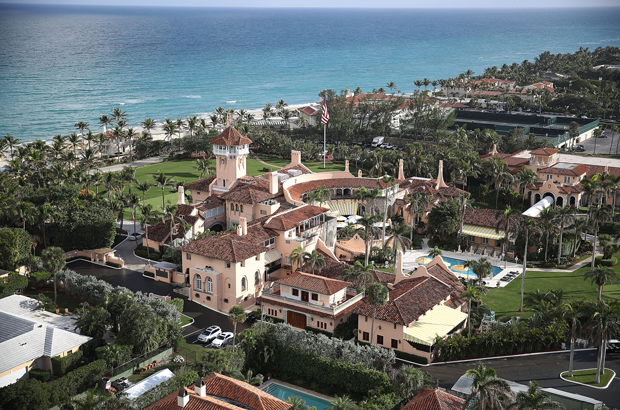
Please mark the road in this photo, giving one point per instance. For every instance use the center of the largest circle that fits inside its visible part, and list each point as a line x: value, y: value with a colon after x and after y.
x: 135, y: 281
x: 544, y: 368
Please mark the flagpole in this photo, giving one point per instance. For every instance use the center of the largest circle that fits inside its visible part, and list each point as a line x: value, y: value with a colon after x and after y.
x: 324, y: 143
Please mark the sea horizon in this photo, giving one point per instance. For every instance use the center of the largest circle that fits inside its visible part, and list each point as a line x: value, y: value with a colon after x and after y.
x: 61, y: 64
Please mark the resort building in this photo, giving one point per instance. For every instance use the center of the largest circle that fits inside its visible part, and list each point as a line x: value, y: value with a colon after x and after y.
x: 485, y: 231
x: 32, y: 337
x: 219, y: 392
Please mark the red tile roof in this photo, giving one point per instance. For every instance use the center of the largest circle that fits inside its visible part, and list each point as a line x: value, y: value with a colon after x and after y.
x: 432, y: 399
x: 222, y: 392
x: 308, y: 110
x: 161, y: 232
x: 545, y: 151
x: 298, y: 189
x: 483, y: 217
x: 230, y: 136
x: 313, y: 283
x: 201, y: 184
x: 229, y: 247
x: 576, y: 171
x: 248, y: 194
x: 292, y: 219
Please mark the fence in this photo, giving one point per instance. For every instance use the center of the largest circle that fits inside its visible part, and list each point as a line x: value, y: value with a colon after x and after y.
x: 131, y: 366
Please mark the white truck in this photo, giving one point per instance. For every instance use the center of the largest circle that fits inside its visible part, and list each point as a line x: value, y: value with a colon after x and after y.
x: 377, y: 141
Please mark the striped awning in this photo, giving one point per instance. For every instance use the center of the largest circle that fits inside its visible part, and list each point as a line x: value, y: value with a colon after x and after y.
x: 272, y: 255
x: 439, y: 322
x: 343, y: 208
x: 483, y: 232
x: 332, y: 213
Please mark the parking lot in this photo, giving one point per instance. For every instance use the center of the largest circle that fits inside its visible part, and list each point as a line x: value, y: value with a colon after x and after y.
x: 603, y: 145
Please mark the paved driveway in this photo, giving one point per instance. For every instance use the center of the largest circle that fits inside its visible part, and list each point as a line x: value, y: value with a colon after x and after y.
x: 603, y: 145
x: 134, y: 281
x: 543, y: 368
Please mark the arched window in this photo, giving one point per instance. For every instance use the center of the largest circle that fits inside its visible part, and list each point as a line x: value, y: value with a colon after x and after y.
x: 243, y: 284
x: 209, y: 285
x: 232, y: 207
x: 198, y: 282
x: 241, y: 208
x: 256, y: 278
x: 236, y: 207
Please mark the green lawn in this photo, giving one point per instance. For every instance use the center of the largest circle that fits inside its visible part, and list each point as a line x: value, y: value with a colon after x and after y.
x: 505, y: 301
x: 185, y: 320
x: 587, y: 377
x: 192, y: 352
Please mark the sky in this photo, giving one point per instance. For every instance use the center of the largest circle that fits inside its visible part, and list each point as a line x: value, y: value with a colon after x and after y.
x: 508, y: 4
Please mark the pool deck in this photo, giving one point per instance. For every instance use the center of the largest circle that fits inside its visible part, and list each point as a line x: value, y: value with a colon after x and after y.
x: 409, y: 264
x: 294, y: 387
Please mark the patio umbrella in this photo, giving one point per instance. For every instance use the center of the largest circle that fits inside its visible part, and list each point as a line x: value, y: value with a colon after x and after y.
x: 423, y: 260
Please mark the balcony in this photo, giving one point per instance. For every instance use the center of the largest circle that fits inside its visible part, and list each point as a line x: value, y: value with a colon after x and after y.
x: 352, y: 297
x: 232, y: 150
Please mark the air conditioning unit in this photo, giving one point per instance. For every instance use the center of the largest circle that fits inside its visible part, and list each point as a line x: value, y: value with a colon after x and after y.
x: 294, y: 172
x: 283, y: 177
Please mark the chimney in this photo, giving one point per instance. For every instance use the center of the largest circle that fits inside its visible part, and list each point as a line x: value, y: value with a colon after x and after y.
x: 346, y: 166
x: 181, y: 200
x: 295, y: 157
x: 273, y: 182
x: 440, y: 183
x: 401, y: 172
x: 398, y: 267
x: 200, y: 388
x: 359, y: 173
x: 494, y: 150
x: 183, y: 397
x: 243, y: 224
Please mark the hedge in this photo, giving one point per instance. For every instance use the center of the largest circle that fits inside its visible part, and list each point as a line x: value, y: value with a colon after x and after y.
x: 177, y: 302
x: 327, y: 374
x: 40, y: 277
x: 77, y: 381
x: 319, y: 331
x: 605, y: 262
x: 411, y: 357
x: 40, y: 374
x: 149, y: 274
x: 114, y: 265
x: 62, y: 365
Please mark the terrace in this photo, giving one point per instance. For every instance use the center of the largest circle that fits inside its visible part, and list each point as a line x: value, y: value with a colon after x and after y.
x: 351, y: 298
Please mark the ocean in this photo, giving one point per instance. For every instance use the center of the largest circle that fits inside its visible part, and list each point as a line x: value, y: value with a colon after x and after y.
x: 64, y: 64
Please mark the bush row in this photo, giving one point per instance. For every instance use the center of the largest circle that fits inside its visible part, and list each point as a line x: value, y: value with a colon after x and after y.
x: 62, y: 365
x: 40, y: 374
x: 606, y: 262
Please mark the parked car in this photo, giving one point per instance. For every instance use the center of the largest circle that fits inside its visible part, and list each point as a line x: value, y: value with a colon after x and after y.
x: 209, y: 334
x: 580, y: 148
x: 121, y: 384
x: 222, y: 339
x: 136, y: 236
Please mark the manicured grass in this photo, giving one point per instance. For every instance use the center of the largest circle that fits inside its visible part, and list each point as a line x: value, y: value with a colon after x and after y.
x: 505, y: 301
x: 587, y: 377
x: 192, y: 352
x: 185, y: 320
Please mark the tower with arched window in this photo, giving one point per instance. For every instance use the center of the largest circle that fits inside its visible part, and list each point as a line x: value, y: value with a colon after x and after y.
x: 231, y: 150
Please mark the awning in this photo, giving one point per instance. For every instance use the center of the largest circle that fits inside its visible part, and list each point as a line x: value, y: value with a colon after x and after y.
x: 343, y: 208
x: 483, y: 232
x: 272, y: 255
x: 439, y: 322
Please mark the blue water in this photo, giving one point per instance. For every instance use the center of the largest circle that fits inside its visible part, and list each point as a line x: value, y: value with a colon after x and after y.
x: 283, y: 393
x: 62, y: 64
x: 454, y: 262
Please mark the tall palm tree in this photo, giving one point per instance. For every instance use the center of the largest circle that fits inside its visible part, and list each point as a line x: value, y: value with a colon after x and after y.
x: 143, y: 187
x: 25, y: 211
x: 162, y: 181
x: 130, y: 135
x: 297, y: 258
x: 590, y: 188
x: 547, y: 217
x: 104, y: 121
x: 11, y: 142
x: 398, y: 239
x: 487, y: 391
x: 147, y: 213
x: 565, y: 215
x: 321, y: 194
x: 471, y: 294
x: 118, y: 114
x: 81, y: 126
x: 313, y: 261
x: 53, y: 261
x: 367, y: 222
x: 377, y: 295
x: 236, y: 314
x: 600, y: 275
x: 464, y: 205
x: 297, y: 403
x: 389, y: 181
x: 498, y: 173
x: 74, y: 140
x: 571, y: 312
x: 47, y: 215
x: 605, y: 322
x: 204, y: 166
x: 535, y: 399
x: 342, y: 403
x: 359, y: 273
x: 527, y: 227
x: 599, y: 215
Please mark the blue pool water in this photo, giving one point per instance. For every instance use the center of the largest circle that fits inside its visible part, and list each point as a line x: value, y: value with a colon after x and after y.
x: 283, y: 393
x: 454, y: 262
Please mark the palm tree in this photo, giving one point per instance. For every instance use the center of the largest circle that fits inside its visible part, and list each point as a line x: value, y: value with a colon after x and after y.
x: 572, y: 313
x: 589, y: 188
x: 313, y: 261
x: 389, y: 181
x: 600, y: 275
x: 143, y: 187
x: 487, y: 391
x: 599, y: 215
x: 367, y: 222
x: 377, y: 295
x: 605, y: 323
x: 535, y: 399
x: 204, y: 166
x: 359, y: 273
x: 566, y: 216
x: 321, y: 194
x: 297, y: 258
x: 149, y: 125
x: 247, y: 377
x: 130, y: 135
x: 471, y: 294
x: 527, y: 227
x: 509, y: 221
x: 547, y: 217
x: 342, y: 403
x: 74, y: 140
x: 498, y: 174
x: 162, y: 181
x: 297, y: 403
x: 47, y: 214
x: 92, y: 400
x: 146, y: 214
x: 434, y: 252
x: 104, y: 120
x: 11, y: 142
x: 236, y: 314
x: 25, y: 211
x: 397, y: 238
x: 464, y: 205
x: 170, y: 129
x: 53, y: 261
x: 81, y: 126
x: 118, y: 114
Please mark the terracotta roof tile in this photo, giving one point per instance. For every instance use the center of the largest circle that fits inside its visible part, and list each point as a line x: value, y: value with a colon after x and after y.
x: 161, y: 232
x: 201, y: 184
x: 432, y: 399
x: 576, y: 171
x: 313, y: 283
x: 230, y: 136
x: 308, y: 110
x: 229, y: 247
x: 298, y: 189
x: 291, y: 219
x: 545, y: 151
x: 248, y: 194
x: 482, y: 217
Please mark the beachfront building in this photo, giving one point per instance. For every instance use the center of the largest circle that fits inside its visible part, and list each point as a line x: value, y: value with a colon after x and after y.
x: 31, y: 337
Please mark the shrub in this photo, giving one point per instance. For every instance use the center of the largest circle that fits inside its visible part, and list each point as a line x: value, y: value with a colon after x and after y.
x: 77, y: 381
x: 40, y: 278
x: 348, y: 329
x: 62, y: 365
x: 149, y: 274
x: 142, y: 252
x: 605, y: 262
x: 12, y: 284
x: 177, y: 303
x: 318, y: 331
x: 411, y: 357
x: 115, y: 354
x: 114, y: 265
x: 40, y: 374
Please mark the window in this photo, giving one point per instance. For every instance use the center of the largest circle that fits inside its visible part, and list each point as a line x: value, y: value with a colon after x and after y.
x: 236, y: 207
x: 485, y: 241
x: 243, y: 284
x: 232, y: 207
x: 198, y: 193
x: 227, y: 265
x: 394, y: 344
x: 295, y: 292
x: 209, y: 285
x: 287, y: 260
x: 225, y: 300
x: 567, y: 180
x: 365, y: 318
x: 209, y: 298
x: 394, y: 325
x: 549, y: 176
x: 198, y: 282
x: 365, y: 336
x: 188, y: 256
x: 256, y: 278
x: 241, y: 208
x: 263, y: 212
x: 229, y: 286
x: 315, y: 296
x: 379, y: 339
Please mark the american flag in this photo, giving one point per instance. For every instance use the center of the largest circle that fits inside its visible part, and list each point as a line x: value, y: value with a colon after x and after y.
x: 325, y: 115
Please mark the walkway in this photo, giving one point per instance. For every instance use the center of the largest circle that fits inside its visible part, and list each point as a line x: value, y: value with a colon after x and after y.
x: 264, y: 163
x: 134, y: 164
x: 125, y: 249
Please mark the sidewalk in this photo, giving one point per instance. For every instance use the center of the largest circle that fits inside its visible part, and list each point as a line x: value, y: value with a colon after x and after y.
x: 134, y: 164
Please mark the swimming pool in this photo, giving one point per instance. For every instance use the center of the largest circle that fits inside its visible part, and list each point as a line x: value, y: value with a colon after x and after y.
x: 283, y: 393
x: 454, y: 262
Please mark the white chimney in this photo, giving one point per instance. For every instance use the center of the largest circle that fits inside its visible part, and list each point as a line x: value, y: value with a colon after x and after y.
x: 359, y: 173
x: 200, y: 388
x: 346, y: 166
x: 243, y: 224
x: 181, y: 200
x: 273, y: 182
x: 183, y: 397
x: 295, y: 158
x: 401, y: 172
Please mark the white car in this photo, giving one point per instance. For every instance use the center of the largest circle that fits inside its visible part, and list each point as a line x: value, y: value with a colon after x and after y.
x: 135, y: 236
x: 222, y: 339
x: 209, y: 334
